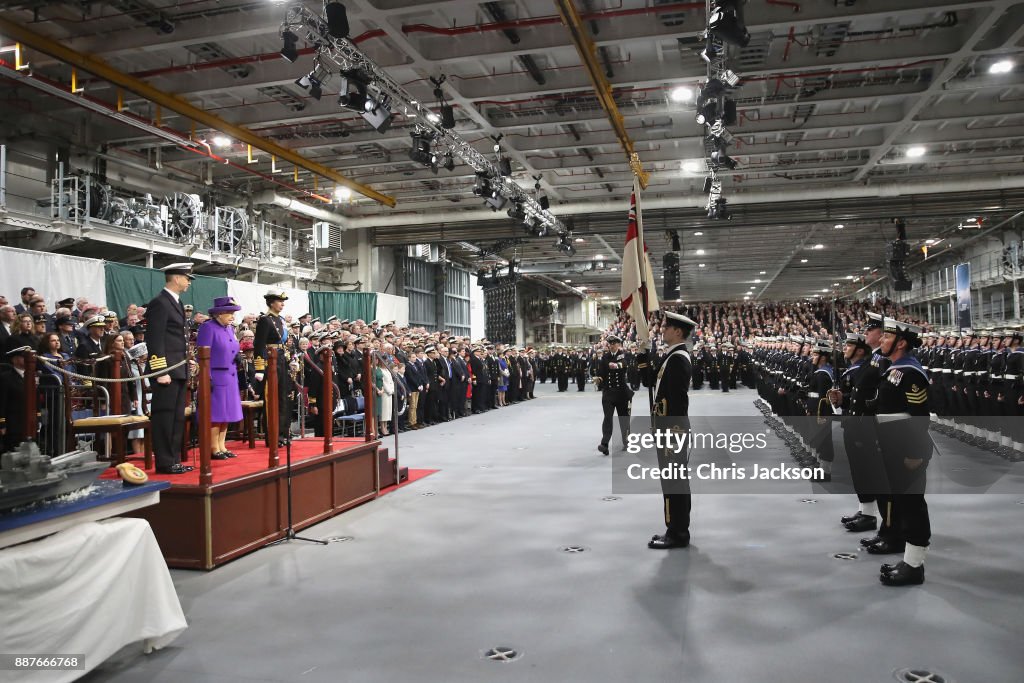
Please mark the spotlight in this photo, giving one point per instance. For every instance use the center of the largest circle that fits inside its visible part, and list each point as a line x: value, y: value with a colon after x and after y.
x: 505, y: 166
x: 564, y: 245
x: 517, y: 212
x: 313, y: 82
x: 342, y: 194
x: 221, y: 141
x: 711, y: 51
x: 544, y: 202
x: 1004, y: 66
x: 915, y: 152
x: 447, y: 116
x: 337, y: 20
x: 352, y: 92
x: 537, y: 227
x: 719, y: 210
x: 421, y: 152
x: 677, y: 244
x: 707, y: 112
x: 377, y: 112
x: 725, y: 24
x: 729, y: 117
x: 719, y: 158
x: 713, y: 88
x: 449, y: 162
x: 289, y: 49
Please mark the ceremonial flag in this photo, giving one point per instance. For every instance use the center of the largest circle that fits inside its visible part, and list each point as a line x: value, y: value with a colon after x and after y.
x: 638, y: 293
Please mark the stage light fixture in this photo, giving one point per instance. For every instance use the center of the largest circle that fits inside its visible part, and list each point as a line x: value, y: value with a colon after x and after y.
x: 352, y: 92
x: 449, y: 162
x: 729, y: 117
x: 447, y: 116
x: 337, y: 20
x: 731, y: 78
x: 719, y: 210
x: 1003, y: 66
x: 726, y: 25
x: 707, y: 112
x: 221, y: 141
x: 916, y: 152
x: 677, y: 244
x: 565, y: 245
x: 289, y: 49
x: 711, y: 50
x: 421, y: 152
x: 505, y: 166
x: 720, y: 158
x: 377, y: 112
x: 517, y: 211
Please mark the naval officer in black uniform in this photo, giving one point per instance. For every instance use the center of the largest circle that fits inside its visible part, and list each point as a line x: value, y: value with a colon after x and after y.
x: 167, y: 343
x: 271, y: 333
x: 615, y: 394
x: 671, y: 408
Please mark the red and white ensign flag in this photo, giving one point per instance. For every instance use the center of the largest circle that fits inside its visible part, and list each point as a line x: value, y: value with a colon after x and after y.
x: 638, y: 292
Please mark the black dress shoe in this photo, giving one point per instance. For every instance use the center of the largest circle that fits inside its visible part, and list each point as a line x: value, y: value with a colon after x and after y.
x: 849, y: 518
x: 220, y: 455
x: 871, y: 541
x: 668, y: 541
x: 603, y: 448
x: 887, y: 547
x: 230, y: 454
x: 862, y: 523
x: 903, y: 575
x: 174, y: 469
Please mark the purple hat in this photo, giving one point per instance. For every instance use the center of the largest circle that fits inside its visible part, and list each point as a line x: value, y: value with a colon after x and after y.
x: 224, y: 304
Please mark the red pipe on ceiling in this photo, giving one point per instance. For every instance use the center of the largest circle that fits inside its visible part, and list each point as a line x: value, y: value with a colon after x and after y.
x: 551, y: 19
x: 248, y: 59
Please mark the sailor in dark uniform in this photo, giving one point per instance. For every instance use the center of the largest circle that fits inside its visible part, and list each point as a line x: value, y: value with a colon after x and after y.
x: 671, y: 383
x: 906, y: 447
x: 271, y: 332
x: 168, y: 345
x: 615, y: 395
x: 12, y: 399
x: 820, y: 431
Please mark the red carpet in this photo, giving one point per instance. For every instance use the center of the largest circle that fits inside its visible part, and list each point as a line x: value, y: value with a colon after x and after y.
x: 414, y: 475
x: 249, y: 460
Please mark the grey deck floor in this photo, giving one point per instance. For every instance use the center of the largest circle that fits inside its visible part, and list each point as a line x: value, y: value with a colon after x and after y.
x: 431, y: 581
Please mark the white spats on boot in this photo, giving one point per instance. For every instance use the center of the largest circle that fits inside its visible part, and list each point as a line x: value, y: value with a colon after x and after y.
x: 914, y: 555
x: 869, y: 509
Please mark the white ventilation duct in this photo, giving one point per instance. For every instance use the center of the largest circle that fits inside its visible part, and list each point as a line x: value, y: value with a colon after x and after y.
x: 699, y: 200
x: 271, y: 197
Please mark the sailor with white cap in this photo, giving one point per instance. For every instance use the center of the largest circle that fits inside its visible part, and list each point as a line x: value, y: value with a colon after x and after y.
x: 272, y: 333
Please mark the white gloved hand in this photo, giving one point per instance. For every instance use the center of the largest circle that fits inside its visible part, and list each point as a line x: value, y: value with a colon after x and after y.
x: 259, y: 376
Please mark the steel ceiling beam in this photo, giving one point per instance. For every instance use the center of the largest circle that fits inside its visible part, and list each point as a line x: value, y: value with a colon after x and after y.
x: 588, y: 55
x: 170, y: 102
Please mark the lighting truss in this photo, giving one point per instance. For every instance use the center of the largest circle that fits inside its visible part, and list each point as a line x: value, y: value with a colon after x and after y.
x: 341, y: 55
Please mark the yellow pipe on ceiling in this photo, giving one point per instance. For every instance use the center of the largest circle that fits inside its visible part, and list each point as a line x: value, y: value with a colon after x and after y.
x: 588, y: 55
x: 101, y: 69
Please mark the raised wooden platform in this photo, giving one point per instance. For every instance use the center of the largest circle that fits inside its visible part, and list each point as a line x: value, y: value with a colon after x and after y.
x: 202, y: 527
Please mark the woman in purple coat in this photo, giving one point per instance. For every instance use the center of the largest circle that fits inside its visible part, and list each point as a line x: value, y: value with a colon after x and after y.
x: 225, y: 401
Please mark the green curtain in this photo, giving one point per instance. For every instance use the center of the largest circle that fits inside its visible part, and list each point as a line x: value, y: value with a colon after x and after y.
x: 351, y: 305
x: 137, y: 285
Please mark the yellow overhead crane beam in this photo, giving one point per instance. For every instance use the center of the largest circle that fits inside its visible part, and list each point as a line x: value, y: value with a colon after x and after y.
x: 588, y: 54
x: 101, y: 69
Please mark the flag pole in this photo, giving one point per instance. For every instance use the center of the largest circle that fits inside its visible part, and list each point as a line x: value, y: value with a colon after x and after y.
x: 641, y: 248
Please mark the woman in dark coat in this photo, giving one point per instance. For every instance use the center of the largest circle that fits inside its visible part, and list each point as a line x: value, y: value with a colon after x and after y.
x: 225, y: 402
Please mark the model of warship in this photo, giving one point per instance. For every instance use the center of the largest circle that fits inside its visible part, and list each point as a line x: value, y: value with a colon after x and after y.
x: 28, y: 476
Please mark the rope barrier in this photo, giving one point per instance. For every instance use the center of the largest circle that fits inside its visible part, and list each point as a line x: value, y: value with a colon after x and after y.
x: 90, y: 378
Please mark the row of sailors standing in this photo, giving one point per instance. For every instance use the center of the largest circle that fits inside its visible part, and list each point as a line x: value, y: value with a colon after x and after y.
x: 882, y: 395
x: 977, y: 382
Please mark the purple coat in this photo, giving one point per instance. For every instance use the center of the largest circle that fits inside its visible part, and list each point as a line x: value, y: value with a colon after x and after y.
x: 225, y: 401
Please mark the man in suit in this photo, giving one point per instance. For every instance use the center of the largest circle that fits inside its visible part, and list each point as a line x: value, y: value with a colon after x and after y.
x: 167, y: 343
x: 27, y: 294
x: 671, y: 409
x: 7, y: 318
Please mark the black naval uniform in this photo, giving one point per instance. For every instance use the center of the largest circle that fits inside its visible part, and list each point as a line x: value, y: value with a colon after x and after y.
x: 270, y: 333
x: 167, y: 343
x: 819, y: 407
x: 12, y: 407
x: 616, y: 396
x: 672, y: 404
x: 579, y: 370
x: 906, y: 450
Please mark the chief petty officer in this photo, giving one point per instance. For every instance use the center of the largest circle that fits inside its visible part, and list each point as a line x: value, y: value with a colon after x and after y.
x: 616, y: 396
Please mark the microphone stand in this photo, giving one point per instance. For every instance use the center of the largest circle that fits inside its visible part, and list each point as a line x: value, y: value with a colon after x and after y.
x: 289, y: 532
